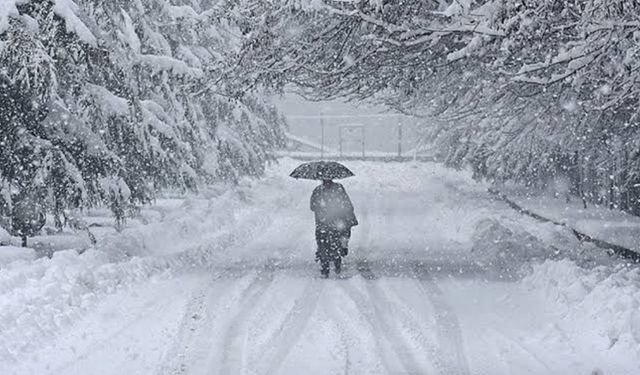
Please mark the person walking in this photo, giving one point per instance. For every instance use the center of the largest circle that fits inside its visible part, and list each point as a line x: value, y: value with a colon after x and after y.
x: 334, y: 216
x: 333, y: 211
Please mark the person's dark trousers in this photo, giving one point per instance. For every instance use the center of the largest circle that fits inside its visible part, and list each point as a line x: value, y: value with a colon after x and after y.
x: 345, y: 236
x: 329, y: 249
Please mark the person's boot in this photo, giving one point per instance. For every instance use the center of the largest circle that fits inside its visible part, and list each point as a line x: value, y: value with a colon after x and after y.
x: 324, y: 269
x: 344, y: 246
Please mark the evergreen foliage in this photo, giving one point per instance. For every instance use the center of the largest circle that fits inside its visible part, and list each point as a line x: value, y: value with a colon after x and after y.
x: 107, y: 102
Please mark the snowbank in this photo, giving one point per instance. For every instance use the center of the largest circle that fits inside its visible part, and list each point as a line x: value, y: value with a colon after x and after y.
x: 600, y: 222
x: 39, y: 298
x: 10, y: 254
x: 47, y: 244
x: 603, y: 297
x: 504, y: 250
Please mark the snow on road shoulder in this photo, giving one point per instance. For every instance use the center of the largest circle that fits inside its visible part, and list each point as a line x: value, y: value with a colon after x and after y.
x: 598, y: 221
x: 504, y: 250
x: 40, y: 298
x: 10, y: 254
x: 604, y: 298
x: 129, y: 332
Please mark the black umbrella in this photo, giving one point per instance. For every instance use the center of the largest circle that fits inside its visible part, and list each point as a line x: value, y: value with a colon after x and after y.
x: 321, y: 170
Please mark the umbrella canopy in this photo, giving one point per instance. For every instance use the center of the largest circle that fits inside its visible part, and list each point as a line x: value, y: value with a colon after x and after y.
x: 321, y: 170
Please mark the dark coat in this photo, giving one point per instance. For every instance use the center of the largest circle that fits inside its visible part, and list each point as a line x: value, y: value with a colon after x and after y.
x: 332, y: 207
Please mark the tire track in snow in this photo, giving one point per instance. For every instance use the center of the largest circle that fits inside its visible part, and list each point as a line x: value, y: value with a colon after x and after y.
x: 381, y: 322
x: 345, y: 349
x: 194, y: 338
x: 453, y: 360
x: 194, y: 322
x: 514, y: 344
x: 377, y: 331
x: 350, y: 340
x: 345, y: 346
x: 233, y: 347
x: 291, y: 328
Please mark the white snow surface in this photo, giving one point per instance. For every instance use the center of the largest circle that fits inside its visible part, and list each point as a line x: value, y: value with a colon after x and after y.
x: 7, y: 9
x: 603, y: 223
x: 440, y: 279
x: 10, y: 254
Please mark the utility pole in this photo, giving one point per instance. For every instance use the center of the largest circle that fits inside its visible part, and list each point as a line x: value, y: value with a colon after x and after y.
x: 400, y: 137
x: 341, y: 128
x: 321, y: 135
x: 363, y: 144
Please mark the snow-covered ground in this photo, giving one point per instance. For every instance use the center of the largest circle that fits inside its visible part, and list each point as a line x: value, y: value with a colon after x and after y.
x: 440, y: 279
x: 606, y: 224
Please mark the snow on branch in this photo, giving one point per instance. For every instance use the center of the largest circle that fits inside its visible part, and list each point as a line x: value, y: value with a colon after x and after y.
x: 473, y: 45
x: 8, y: 9
x: 183, y: 11
x: 156, y: 117
x: 408, y: 35
x: 109, y: 102
x: 67, y: 10
x: 166, y: 63
x: 129, y: 33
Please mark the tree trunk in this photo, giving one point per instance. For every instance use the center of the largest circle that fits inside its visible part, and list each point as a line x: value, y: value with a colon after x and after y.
x: 611, y: 196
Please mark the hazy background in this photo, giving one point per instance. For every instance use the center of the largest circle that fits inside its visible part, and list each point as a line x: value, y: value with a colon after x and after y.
x: 380, y: 128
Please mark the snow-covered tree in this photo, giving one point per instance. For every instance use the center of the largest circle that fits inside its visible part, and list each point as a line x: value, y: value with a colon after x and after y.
x: 522, y: 90
x: 112, y: 101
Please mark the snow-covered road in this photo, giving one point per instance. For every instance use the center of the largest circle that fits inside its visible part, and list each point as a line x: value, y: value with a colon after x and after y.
x: 422, y: 292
